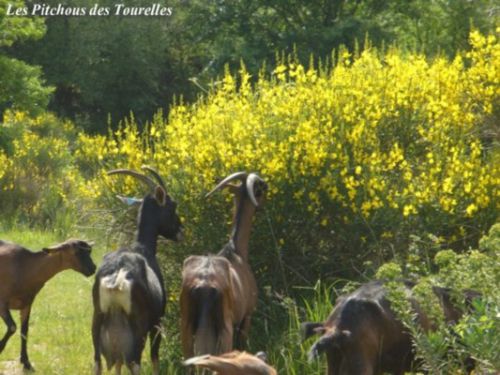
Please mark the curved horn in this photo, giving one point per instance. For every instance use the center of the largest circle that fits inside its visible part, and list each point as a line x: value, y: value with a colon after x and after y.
x: 156, y: 175
x: 251, y: 179
x: 228, y: 179
x: 148, y: 181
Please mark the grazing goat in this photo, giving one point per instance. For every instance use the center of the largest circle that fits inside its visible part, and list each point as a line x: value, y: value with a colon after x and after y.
x: 234, y: 363
x: 363, y: 335
x: 128, y: 294
x: 219, y: 292
x: 23, y: 274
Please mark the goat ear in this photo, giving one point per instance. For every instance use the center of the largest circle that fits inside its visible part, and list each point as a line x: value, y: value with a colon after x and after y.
x: 160, y: 195
x: 309, y: 329
x: 234, y: 189
x: 129, y: 201
x: 262, y: 356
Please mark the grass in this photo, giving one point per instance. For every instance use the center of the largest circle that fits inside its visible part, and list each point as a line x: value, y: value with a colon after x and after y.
x: 60, y: 340
x: 60, y: 336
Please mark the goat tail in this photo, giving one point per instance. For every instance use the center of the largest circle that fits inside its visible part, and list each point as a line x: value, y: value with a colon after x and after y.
x: 115, y: 292
x: 115, y: 303
x: 210, y: 318
x: 206, y: 334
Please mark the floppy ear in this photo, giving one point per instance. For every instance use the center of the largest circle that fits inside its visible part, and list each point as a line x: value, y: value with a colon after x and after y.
x: 54, y: 248
x: 160, y: 195
x: 129, y: 201
x: 262, y: 356
x: 51, y: 249
x: 309, y: 329
x: 331, y: 338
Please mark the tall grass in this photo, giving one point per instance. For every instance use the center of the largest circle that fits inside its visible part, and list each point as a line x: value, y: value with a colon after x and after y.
x: 60, y: 336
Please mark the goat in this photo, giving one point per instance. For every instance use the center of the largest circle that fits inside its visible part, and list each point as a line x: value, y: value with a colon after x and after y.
x: 219, y: 292
x: 363, y: 335
x: 234, y: 363
x: 129, y: 294
x: 23, y: 274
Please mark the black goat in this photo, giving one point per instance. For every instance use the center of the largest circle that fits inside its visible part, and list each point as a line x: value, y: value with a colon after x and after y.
x: 129, y: 296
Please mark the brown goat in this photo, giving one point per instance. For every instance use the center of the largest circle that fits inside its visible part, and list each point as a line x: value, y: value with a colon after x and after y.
x: 233, y: 363
x: 23, y: 274
x: 364, y: 336
x: 219, y: 292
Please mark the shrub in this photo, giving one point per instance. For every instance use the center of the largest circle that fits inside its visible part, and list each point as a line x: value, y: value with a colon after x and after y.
x: 477, y: 334
x: 38, y: 180
x: 358, y: 156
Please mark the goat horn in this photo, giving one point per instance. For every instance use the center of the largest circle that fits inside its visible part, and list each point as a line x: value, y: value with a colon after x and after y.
x: 148, y: 181
x: 228, y: 179
x: 252, y: 178
x: 156, y: 175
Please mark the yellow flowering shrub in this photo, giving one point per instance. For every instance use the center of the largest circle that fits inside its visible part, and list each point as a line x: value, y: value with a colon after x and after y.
x: 38, y: 177
x: 357, y: 156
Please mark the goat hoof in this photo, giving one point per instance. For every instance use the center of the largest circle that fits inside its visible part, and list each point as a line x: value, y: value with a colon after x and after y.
x: 27, y: 366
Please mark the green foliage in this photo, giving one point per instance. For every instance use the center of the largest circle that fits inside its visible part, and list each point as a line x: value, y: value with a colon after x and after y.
x: 16, y: 29
x: 107, y: 67
x: 491, y: 243
x: 21, y: 85
x: 480, y: 333
x: 444, y: 349
x: 16, y: 80
x: 104, y: 66
x: 38, y: 179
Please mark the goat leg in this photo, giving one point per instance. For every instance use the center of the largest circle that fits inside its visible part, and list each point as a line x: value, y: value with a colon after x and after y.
x: 155, y: 339
x: 11, y: 326
x: 187, y: 341
x: 135, y: 368
x: 225, y: 343
x: 96, y: 340
x: 242, y: 333
x: 25, y: 320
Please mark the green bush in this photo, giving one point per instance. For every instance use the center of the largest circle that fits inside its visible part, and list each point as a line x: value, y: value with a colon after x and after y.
x: 38, y: 182
x: 477, y: 334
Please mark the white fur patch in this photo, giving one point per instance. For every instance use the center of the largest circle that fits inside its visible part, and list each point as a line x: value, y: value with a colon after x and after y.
x: 115, y: 292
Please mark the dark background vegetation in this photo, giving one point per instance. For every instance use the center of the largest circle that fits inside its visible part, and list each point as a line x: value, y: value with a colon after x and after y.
x: 102, y: 69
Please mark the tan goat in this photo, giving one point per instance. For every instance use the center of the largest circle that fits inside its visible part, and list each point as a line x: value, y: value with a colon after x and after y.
x: 233, y: 363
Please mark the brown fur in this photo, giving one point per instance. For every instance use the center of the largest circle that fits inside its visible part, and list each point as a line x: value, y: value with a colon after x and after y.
x: 208, y: 328
x: 363, y: 336
x: 233, y: 363
x: 235, y: 281
x: 23, y: 273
